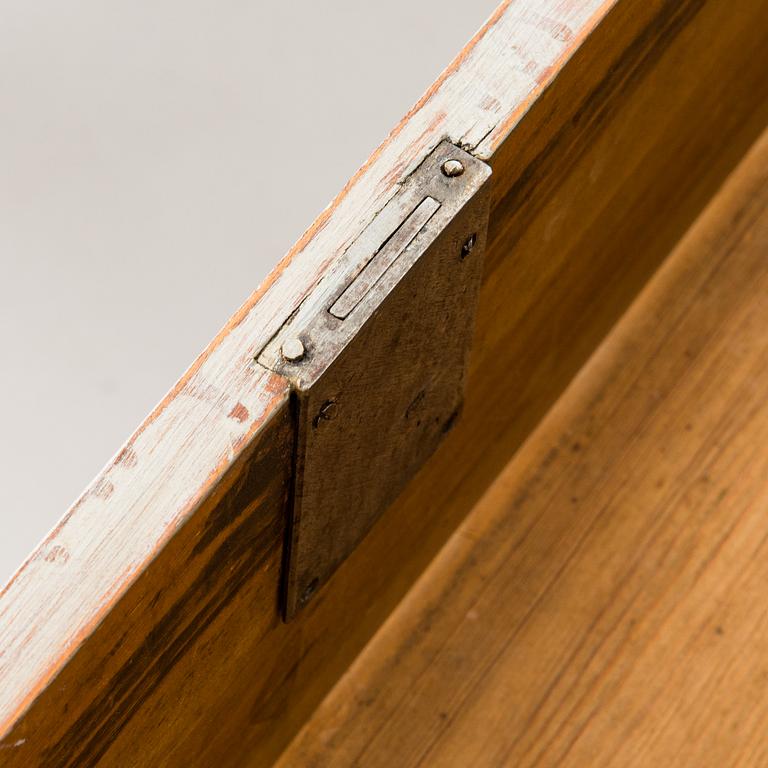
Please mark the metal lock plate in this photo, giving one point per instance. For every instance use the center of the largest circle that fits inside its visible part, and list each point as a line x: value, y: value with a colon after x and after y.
x: 377, y: 358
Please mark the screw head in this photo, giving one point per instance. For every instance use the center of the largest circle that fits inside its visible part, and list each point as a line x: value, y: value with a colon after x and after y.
x: 452, y: 168
x: 309, y: 590
x: 469, y: 244
x: 329, y: 410
x: 292, y: 350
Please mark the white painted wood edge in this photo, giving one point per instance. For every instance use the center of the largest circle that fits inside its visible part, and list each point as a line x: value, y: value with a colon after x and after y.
x: 140, y: 499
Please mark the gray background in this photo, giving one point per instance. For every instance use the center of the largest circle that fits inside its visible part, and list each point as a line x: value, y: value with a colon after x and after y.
x: 156, y: 161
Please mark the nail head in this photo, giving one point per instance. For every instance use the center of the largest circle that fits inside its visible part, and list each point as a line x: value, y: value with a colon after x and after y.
x: 452, y: 168
x: 329, y: 410
x: 309, y: 590
x: 292, y: 350
x: 469, y: 244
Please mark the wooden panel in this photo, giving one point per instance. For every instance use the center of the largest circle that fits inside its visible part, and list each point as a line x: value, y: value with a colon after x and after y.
x: 191, y: 617
x: 66, y: 602
x: 603, y: 602
x: 588, y: 112
x: 548, y: 301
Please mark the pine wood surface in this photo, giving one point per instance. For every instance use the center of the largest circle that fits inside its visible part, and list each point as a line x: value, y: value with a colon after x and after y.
x: 605, y: 601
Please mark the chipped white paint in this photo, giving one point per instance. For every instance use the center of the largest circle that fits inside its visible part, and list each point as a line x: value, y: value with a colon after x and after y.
x: 142, y: 497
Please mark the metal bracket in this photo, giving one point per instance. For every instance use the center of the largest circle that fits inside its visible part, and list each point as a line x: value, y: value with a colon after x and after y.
x: 377, y: 358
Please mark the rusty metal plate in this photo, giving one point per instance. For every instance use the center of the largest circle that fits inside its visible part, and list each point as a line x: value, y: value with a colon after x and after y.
x: 377, y: 358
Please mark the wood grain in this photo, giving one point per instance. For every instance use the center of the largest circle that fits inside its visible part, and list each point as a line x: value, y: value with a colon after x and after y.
x: 184, y: 448
x: 535, y: 333
x: 603, y: 604
x: 73, y: 585
x: 608, y: 126
x: 535, y: 326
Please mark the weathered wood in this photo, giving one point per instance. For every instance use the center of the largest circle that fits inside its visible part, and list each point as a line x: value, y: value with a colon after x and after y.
x: 603, y: 604
x: 608, y: 125
x: 71, y: 588
x: 621, y: 188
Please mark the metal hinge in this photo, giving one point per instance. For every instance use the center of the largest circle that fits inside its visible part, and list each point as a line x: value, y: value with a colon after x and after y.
x: 377, y: 359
